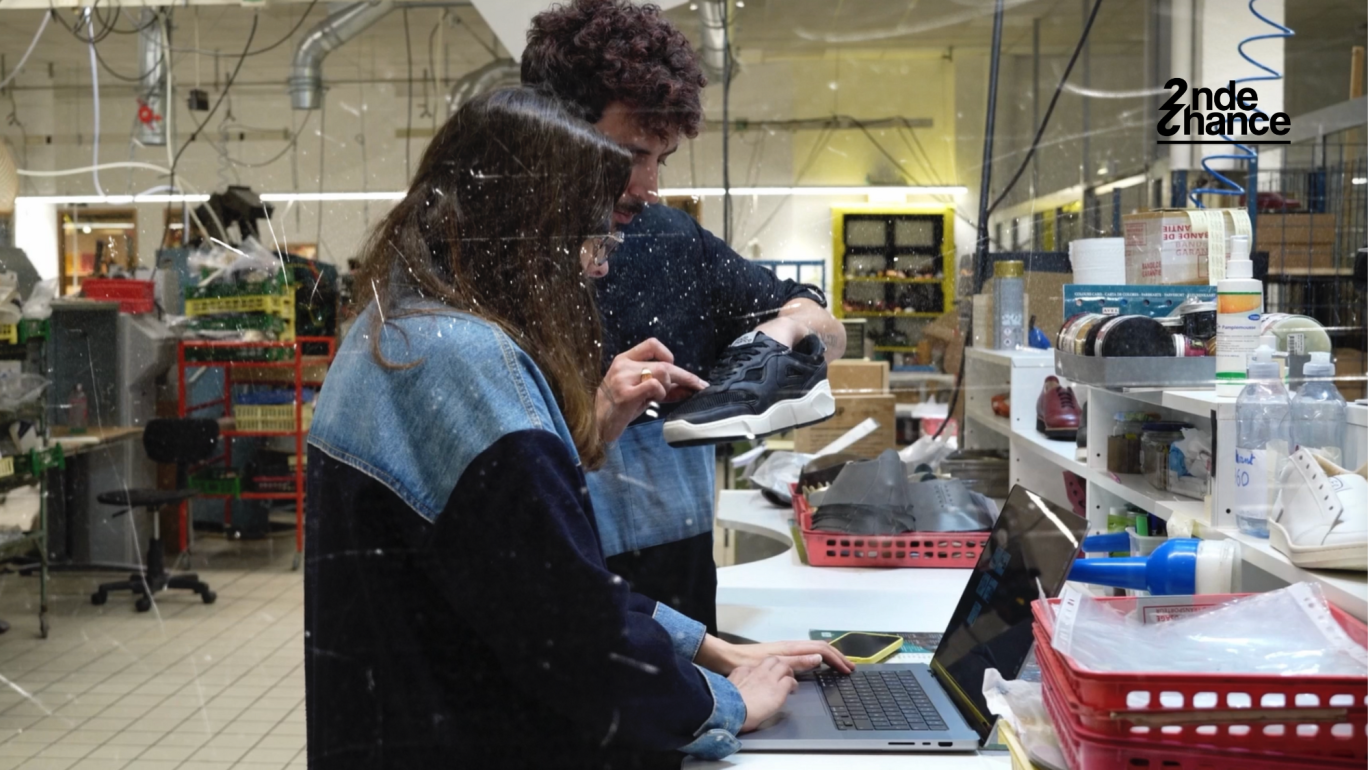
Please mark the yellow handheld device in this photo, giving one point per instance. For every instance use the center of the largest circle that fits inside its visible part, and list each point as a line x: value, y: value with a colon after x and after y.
x: 862, y: 647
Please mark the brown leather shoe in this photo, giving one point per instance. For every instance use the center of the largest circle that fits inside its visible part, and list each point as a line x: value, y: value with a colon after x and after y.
x: 1057, y: 414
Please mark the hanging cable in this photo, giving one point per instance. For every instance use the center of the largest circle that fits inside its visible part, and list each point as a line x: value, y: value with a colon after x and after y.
x: 97, y: 167
x: 32, y: 44
x: 265, y: 49
x: 1246, y: 153
x: 1045, y: 121
x: 95, y: 93
x: 726, y: 124
x: 227, y: 86
x: 408, y: 85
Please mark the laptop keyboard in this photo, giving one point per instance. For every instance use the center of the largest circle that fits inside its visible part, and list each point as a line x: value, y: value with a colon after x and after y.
x: 879, y: 700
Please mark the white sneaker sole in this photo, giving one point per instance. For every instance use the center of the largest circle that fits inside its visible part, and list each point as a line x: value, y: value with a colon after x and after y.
x: 1348, y: 556
x: 816, y: 405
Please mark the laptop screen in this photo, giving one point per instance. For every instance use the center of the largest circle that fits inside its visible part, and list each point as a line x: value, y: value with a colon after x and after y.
x: 1030, y: 551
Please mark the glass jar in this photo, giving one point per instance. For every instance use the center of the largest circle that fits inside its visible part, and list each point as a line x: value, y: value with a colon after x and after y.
x: 1155, y: 440
x: 1123, y: 444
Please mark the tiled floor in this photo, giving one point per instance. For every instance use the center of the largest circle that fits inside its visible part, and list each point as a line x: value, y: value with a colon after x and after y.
x: 186, y: 685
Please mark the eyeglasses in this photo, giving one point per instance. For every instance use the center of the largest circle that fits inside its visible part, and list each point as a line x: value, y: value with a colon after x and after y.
x: 605, y: 245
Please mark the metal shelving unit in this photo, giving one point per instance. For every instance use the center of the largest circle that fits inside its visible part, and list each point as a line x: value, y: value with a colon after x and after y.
x: 232, y: 355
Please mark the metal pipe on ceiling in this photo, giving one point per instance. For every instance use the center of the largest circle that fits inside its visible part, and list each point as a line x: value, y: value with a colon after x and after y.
x: 306, y: 71
x: 712, y: 49
x: 496, y: 74
x: 152, y: 98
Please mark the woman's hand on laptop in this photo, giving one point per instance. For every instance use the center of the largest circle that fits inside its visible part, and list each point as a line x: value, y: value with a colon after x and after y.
x: 764, y: 688
x: 722, y: 657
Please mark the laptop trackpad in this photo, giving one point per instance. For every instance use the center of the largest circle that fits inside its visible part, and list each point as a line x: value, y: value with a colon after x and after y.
x: 804, y: 716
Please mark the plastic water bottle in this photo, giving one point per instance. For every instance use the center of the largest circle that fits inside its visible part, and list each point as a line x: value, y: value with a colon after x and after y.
x: 1319, y: 411
x: 1260, y: 442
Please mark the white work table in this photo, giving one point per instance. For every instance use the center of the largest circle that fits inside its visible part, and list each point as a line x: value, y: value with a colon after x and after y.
x: 780, y: 598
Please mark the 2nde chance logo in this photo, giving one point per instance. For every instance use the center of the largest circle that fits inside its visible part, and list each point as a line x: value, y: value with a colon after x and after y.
x: 1224, y: 112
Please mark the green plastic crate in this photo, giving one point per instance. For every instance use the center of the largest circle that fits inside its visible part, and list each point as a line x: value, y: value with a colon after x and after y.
x: 217, y: 482
x: 277, y: 286
x: 33, y: 329
x: 238, y: 322
x: 209, y: 354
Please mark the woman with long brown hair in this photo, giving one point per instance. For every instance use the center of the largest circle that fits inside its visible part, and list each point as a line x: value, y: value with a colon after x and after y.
x: 457, y: 605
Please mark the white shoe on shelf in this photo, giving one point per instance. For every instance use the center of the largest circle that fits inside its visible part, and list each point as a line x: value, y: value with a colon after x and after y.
x: 1320, y: 519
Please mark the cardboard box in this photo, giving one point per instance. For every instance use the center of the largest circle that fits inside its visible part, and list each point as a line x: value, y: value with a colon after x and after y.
x: 1294, y: 229
x: 849, y: 376
x: 1294, y: 258
x: 1350, y: 373
x: 851, y: 411
x: 1161, y: 248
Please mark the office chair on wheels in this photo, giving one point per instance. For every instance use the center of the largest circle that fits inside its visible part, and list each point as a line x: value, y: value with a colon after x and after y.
x: 179, y: 441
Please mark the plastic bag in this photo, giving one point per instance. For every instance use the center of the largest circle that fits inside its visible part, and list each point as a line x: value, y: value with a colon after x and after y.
x: 1189, y: 463
x: 17, y: 390
x: 1022, y: 706
x: 39, y: 304
x: 928, y: 451
x: 1231, y: 638
x: 779, y: 471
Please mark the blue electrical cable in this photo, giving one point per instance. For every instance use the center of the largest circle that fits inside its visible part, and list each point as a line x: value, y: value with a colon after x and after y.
x: 1247, y: 152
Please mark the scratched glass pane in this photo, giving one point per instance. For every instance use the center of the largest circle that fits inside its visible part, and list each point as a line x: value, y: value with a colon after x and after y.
x: 349, y: 351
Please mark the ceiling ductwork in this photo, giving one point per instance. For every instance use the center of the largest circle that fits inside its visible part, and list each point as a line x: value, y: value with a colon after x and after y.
x: 152, y: 54
x: 306, y: 72
x: 496, y: 74
x: 713, y: 40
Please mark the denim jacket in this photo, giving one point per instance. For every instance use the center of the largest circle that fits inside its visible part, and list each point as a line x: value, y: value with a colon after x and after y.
x: 471, y: 440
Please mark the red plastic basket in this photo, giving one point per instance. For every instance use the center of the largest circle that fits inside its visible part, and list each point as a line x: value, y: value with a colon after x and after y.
x: 1108, y: 691
x: 132, y: 296
x: 1294, y: 732
x: 1084, y: 751
x: 959, y: 550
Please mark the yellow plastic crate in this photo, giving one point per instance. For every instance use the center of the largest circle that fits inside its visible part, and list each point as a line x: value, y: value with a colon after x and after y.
x: 261, y: 419
x: 277, y: 305
x: 9, y: 334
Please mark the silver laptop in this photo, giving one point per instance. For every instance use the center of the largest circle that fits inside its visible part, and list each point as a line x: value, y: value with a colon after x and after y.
x: 940, y: 707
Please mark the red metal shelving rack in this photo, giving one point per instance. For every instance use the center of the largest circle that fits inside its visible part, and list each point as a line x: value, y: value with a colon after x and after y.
x: 296, y: 361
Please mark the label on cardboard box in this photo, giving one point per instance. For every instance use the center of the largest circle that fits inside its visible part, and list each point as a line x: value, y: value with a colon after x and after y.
x: 851, y: 410
x: 849, y: 376
x: 1164, y: 249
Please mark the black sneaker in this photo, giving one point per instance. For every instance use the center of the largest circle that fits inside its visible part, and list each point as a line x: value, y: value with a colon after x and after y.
x: 759, y: 387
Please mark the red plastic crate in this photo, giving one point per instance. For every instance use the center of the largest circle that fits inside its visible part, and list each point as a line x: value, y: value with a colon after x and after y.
x: 1084, y: 751
x: 958, y: 550
x: 132, y: 296
x: 1294, y: 732
x: 1109, y: 691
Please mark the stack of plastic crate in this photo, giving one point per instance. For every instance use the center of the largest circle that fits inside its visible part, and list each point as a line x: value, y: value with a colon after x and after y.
x: 267, y: 306
x: 1186, y: 721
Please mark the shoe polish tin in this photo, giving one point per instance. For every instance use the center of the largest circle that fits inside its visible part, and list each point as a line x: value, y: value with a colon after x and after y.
x: 1073, y: 335
x: 1134, y: 336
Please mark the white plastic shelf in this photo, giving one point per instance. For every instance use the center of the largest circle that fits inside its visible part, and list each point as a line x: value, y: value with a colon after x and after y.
x: 1025, y: 358
x: 999, y: 425
x: 1134, y: 489
x: 1347, y: 590
x: 1060, y: 453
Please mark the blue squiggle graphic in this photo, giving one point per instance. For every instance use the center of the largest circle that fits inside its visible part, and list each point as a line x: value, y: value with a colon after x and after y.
x: 1247, y: 153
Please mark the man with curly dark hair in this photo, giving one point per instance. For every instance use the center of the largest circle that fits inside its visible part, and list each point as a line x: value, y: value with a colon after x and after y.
x: 676, y: 294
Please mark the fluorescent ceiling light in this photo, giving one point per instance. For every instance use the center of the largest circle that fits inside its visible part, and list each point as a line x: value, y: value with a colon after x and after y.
x: 703, y: 192
x: 305, y: 197
x: 333, y: 196
x: 1359, y: 180
x: 1120, y: 184
x: 112, y: 200
x: 99, y: 226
